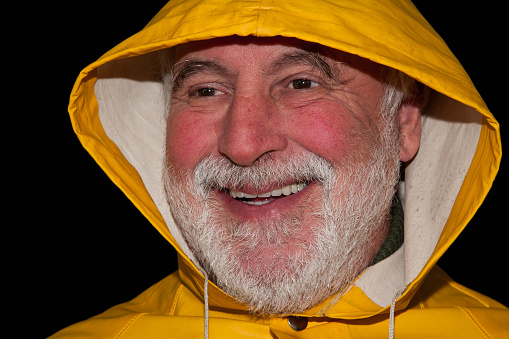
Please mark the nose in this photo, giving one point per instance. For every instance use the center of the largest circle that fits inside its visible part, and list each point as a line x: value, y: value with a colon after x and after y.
x: 251, y: 128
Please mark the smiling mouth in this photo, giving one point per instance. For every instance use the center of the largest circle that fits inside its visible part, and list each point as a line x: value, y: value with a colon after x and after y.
x: 265, y: 198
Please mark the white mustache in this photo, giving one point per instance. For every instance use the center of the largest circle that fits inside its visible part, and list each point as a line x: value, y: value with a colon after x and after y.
x: 220, y: 173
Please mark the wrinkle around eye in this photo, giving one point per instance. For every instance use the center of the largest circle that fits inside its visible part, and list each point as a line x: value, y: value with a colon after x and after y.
x: 205, y: 89
x: 212, y: 96
x: 316, y: 91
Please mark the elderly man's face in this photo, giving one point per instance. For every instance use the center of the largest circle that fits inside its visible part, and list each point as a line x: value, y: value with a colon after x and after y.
x: 251, y: 99
x: 280, y: 165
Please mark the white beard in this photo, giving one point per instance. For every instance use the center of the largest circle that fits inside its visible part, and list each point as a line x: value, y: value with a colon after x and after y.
x: 305, y: 268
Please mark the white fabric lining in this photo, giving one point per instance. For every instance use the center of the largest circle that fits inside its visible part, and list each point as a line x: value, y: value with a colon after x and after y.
x: 450, y: 131
x: 132, y: 110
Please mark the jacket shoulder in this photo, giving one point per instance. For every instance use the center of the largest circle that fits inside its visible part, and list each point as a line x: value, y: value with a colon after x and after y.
x: 439, y: 290
x: 441, y: 296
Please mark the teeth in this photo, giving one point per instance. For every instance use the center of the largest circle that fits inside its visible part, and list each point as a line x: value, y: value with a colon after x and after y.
x: 287, y: 190
x: 277, y: 193
x: 295, y: 188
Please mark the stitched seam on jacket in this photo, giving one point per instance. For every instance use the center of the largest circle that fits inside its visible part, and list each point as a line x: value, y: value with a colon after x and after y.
x: 164, y: 36
x: 175, y: 299
x: 420, y: 298
x: 129, y: 324
x: 258, y: 17
x: 475, y: 321
x: 335, y: 330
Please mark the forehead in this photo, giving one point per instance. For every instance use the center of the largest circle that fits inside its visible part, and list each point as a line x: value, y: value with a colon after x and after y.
x: 253, y: 49
x: 240, y: 44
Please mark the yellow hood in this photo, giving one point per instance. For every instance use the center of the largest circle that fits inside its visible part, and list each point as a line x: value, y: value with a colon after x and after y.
x: 117, y: 111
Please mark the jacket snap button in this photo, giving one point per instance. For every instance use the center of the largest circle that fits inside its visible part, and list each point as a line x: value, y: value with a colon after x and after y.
x: 298, y: 323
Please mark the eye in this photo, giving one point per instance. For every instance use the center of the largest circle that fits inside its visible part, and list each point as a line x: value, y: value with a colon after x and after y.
x: 303, y: 84
x: 206, y: 92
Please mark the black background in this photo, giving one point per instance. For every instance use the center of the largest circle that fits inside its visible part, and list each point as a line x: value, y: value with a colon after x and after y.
x: 76, y: 246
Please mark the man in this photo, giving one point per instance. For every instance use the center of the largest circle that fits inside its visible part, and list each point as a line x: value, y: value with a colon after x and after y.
x: 265, y: 202
x: 268, y: 151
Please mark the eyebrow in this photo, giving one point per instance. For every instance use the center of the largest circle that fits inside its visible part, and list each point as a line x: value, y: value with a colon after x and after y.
x: 191, y: 66
x: 306, y: 57
x: 297, y: 57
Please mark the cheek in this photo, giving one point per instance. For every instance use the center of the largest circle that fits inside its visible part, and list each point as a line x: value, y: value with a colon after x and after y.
x: 190, y: 138
x: 331, y: 131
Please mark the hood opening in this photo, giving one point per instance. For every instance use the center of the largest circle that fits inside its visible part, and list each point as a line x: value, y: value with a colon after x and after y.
x: 132, y: 112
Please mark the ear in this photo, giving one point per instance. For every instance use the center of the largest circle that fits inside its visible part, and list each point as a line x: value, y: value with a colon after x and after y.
x: 409, y: 130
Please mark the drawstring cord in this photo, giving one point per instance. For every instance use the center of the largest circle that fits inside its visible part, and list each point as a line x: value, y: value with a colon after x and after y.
x: 393, y: 308
x: 206, y: 308
x: 206, y: 304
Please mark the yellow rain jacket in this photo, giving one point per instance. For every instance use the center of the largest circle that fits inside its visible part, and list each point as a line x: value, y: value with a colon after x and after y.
x: 117, y: 111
